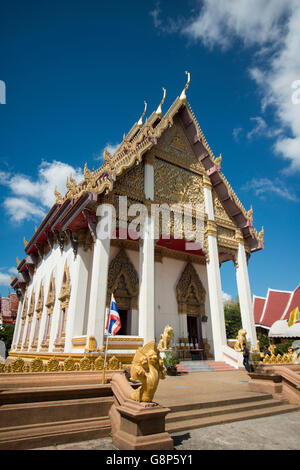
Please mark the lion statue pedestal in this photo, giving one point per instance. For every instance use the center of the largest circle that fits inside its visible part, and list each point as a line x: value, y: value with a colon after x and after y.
x: 137, y: 422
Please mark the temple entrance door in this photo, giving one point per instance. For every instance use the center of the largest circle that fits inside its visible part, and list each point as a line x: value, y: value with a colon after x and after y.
x: 195, y: 331
x: 125, y: 317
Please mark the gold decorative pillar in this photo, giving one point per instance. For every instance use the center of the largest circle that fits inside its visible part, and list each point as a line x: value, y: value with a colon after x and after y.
x: 49, y: 311
x: 39, y: 311
x: 64, y: 298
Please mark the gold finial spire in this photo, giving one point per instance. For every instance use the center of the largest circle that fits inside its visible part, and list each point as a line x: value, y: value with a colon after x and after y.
x: 159, y: 111
x: 11, y: 277
x: 58, y: 196
x: 35, y: 228
x: 250, y: 214
x: 218, y: 161
x: 25, y: 242
x: 140, y: 122
x: 183, y: 95
x: 261, y: 235
x: 106, y: 155
x: 18, y: 261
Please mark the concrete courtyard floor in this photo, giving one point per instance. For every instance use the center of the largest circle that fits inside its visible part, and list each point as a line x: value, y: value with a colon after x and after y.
x: 278, y: 432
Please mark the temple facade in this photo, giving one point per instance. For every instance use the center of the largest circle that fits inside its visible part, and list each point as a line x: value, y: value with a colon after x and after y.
x: 70, y: 269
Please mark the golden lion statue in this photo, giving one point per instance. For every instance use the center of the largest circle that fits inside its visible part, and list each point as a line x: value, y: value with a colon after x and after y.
x: 147, y: 367
x: 165, y: 338
x: 241, y: 340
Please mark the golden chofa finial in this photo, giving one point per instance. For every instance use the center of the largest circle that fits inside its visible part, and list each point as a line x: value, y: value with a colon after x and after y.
x: 250, y: 214
x: 261, y: 235
x: 140, y: 122
x: 18, y: 261
x: 11, y: 277
x: 218, y: 161
x: 183, y: 95
x: 159, y: 111
x: 58, y: 196
x: 25, y: 242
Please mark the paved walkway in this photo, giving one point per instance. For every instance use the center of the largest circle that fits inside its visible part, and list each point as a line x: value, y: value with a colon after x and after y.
x: 279, y: 432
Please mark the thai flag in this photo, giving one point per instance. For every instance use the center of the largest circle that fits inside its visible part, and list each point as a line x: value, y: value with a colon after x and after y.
x: 113, y: 323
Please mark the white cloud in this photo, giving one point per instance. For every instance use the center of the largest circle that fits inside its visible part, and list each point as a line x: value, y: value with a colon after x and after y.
x: 236, y: 133
x: 226, y: 297
x: 261, y: 129
x: 262, y: 186
x: 5, y: 279
x: 30, y: 199
x: 110, y: 147
x: 271, y: 29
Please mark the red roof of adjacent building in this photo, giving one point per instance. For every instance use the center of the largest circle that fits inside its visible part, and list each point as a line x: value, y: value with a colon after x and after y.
x: 9, y: 308
x: 275, y: 305
x: 258, y: 306
x: 294, y: 302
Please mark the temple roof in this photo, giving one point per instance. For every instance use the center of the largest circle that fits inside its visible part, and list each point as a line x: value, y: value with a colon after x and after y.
x: 75, y: 209
x: 276, y: 306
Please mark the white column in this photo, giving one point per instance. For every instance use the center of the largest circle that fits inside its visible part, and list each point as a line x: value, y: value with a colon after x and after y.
x: 244, y: 293
x: 214, y: 278
x: 146, y: 288
x: 76, y: 309
x: 100, y: 267
x: 146, y: 271
x: 215, y: 298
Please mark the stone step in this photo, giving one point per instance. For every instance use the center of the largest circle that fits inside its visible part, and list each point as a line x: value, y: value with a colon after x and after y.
x: 232, y: 416
x: 218, y: 410
x: 254, y: 397
x: 47, y: 434
x: 51, y: 411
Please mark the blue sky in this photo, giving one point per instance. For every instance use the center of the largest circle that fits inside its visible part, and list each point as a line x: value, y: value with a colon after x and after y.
x: 77, y: 74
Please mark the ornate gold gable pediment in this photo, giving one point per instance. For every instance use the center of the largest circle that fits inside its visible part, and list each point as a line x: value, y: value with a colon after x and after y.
x: 176, y: 185
x: 173, y: 146
x: 131, y: 183
x: 219, y: 210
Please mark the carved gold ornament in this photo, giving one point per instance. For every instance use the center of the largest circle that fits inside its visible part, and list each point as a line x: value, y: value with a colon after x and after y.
x: 159, y: 110
x: 18, y: 365
x: 123, y: 281
x: 140, y: 121
x: 37, y: 365
x: 190, y: 292
x: 183, y: 94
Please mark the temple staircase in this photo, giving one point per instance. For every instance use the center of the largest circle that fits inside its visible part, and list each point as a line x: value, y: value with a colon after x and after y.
x: 188, y: 416
x: 45, y: 416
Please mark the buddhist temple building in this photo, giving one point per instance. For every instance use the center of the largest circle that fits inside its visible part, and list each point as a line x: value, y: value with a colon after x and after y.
x: 69, y: 271
x: 271, y: 313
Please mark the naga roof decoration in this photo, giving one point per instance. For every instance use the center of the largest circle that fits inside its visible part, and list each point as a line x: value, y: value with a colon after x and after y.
x: 141, y: 138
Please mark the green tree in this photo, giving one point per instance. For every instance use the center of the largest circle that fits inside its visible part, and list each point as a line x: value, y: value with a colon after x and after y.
x: 6, y: 334
x: 233, y: 322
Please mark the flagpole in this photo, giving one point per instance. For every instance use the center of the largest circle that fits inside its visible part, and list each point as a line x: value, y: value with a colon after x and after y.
x: 103, y: 373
